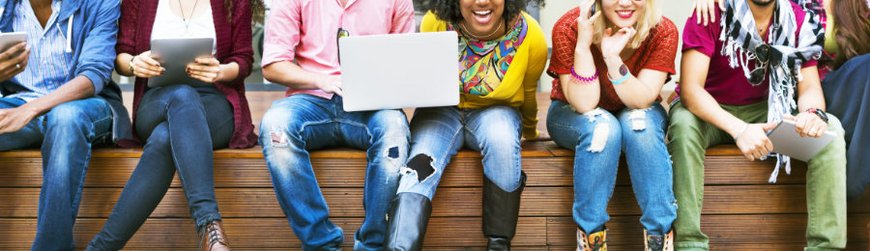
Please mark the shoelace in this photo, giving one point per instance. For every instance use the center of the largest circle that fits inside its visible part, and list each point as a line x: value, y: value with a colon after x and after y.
x: 213, y: 234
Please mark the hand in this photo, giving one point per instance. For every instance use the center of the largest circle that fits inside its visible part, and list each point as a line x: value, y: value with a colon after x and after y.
x: 205, y: 69
x: 585, y: 32
x: 753, y: 141
x: 329, y: 84
x: 13, y: 119
x: 705, y: 10
x: 612, y: 44
x: 13, y: 60
x: 146, y: 66
x: 808, y: 124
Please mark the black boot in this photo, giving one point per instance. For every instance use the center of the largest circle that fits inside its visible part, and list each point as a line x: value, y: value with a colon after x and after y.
x: 500, y: 212
x: 409, y: 214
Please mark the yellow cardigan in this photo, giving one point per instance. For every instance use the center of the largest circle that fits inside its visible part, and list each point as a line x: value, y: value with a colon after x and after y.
x: 520, y: 84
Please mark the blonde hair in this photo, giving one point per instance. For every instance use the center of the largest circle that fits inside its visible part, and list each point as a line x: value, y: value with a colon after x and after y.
x: 648, y: 20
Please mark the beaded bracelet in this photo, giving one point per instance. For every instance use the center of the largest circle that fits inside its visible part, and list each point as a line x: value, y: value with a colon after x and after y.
x: 582, y: 79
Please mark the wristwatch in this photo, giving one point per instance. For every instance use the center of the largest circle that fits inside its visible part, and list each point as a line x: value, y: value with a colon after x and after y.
x: 818, y: 112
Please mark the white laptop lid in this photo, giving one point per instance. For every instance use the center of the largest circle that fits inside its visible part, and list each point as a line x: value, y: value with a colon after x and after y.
x: 399, y: 71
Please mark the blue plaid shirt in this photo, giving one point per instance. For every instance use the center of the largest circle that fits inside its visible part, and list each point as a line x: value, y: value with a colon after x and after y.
x: 48, y: 65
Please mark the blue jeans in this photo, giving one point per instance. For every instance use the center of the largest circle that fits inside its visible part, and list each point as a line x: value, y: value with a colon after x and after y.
x: 598, y: 138
x: 181, y: 125
x: 299, y: 123
x: 438, y: 133
x: 66, y: 134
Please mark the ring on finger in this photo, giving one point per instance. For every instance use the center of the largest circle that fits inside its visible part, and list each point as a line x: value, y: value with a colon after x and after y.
x: 17, y: 66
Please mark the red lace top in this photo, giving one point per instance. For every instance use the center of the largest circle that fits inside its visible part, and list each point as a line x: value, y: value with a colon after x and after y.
x: 657, y: 52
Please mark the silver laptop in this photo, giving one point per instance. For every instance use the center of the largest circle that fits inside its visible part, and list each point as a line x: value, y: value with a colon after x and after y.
x: 399, y: 71
x: 787, y: 141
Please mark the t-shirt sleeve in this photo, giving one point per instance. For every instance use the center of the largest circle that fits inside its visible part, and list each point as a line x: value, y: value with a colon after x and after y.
x: 699, y: 37
x: 283, y: 33
x: 664, y: 48
x: 564, y: 41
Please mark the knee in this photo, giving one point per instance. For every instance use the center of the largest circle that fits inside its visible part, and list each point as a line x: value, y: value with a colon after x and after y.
x: 684, y: 126
x: 159, y: 138
x: 603, y: 132
x: 278, y: 127
x: 180, y: 93
x: 390, y: 125
x: 68, y: 118
x: 642, y: 125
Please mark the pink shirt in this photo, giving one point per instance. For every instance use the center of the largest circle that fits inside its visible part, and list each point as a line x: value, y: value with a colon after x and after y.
x: 727, y: 85
x: 307, y: 31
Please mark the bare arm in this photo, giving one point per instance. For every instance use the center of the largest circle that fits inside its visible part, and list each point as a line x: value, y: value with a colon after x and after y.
x: 750, y: 138
x: 641, y: 91
x: 291, y: 75
x: 12, y: 120
x: 583, y: 96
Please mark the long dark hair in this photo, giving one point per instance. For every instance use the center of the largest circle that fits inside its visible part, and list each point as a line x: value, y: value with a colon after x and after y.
x: 448, y: 10
x: 852, y: 24
x: 258, y: 10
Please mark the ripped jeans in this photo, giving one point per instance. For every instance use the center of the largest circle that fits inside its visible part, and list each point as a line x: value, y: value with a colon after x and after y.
x: 299, y: 123
x: 439, y: 132
x: 598, y: 138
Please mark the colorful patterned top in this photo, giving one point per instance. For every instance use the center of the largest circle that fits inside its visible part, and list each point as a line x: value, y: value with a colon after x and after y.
x: 518, y: 85
x: 482, y: 64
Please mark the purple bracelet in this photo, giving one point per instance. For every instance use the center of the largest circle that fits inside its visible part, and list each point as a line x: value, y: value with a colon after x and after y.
x: 582, y: 79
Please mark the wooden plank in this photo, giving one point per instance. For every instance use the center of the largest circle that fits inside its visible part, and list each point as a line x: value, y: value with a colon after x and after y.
x: 722, y: 229
x: 267, y: 232
x: 723, y: 246
x: 332, y: 172
x: 449, y: 202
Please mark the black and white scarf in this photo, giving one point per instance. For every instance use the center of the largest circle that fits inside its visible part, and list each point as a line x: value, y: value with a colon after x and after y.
x: 740, y: 38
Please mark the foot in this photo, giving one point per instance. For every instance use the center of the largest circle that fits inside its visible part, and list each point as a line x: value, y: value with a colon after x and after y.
x: 498, y: 244
x: 213, y: 237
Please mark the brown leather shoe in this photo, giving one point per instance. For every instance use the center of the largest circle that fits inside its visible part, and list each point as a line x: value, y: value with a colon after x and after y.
x: 213, y: 238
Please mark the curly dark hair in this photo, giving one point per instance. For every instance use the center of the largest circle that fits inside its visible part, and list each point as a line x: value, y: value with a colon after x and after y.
x: 448, y: 10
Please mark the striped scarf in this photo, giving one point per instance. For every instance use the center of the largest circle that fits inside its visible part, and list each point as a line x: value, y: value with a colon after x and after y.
x: 786, y: 54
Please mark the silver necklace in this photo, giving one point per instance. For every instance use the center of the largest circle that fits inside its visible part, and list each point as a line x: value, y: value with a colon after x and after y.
x: 184, y: 18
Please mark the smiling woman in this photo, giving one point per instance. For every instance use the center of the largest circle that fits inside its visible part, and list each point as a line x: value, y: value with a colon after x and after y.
x: 502, y: 54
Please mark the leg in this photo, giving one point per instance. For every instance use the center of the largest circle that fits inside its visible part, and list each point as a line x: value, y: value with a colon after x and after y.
x: 436, y: 137
x: 291, y: 127
x: 596, y: 138
x: 826, y: 194
x: 643, y: 140
x: 28, y: 137
x: 153, y: 175
x: 689, y: 138
x: 384, y: 134
x: 142, y: 193
x: 69, y: 130
x: 643, y: 135
x: 496, y: 132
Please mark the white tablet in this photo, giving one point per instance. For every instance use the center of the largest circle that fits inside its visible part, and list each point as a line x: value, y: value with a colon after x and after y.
x: 9, y: 39
x: 787, y: 141
x: 175, y: 54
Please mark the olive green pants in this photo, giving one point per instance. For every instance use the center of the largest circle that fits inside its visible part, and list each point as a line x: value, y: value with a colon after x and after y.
x: 689, y: 137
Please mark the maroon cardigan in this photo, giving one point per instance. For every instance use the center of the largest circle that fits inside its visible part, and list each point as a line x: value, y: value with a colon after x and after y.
x: 233, y: 45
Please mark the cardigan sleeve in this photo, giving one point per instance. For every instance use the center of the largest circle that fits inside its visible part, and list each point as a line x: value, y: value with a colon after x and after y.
x: 242, y: 51
x: 537, y: 61
x: 127, y: 27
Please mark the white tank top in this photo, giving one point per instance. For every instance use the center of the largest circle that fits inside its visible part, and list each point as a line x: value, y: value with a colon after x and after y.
x: 170, y: 25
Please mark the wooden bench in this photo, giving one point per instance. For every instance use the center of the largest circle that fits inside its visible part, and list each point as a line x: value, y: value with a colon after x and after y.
x: 741, y: 211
